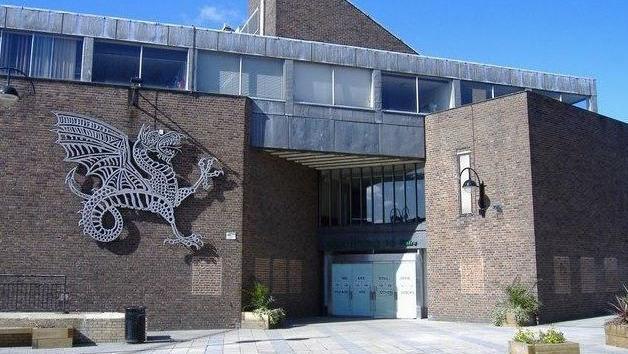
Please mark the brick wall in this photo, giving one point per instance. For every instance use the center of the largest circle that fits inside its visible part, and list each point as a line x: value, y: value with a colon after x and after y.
x: 469, y: 258
x: 580, y: 189
x: 559, y: 175
x: 330, y: 21
x: 281, y: 248
x: 39, y: 229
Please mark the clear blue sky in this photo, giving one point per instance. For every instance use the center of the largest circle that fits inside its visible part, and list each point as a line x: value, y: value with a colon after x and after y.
x: 576, y: 37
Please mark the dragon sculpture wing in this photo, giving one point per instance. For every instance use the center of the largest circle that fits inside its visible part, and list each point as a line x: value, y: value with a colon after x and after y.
x: 102, y: 149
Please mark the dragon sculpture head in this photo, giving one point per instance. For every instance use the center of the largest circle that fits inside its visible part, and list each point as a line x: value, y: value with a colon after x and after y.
x: 165, y: 145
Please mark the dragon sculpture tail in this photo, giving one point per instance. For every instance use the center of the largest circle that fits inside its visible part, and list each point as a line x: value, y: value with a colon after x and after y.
x: 92, y: 216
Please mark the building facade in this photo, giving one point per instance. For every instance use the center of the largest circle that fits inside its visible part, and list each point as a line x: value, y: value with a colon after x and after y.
x: 341, y: 160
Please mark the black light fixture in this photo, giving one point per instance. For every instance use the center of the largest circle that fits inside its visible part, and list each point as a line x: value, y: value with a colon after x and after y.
x: 468, y: 186
x: 8, y: 93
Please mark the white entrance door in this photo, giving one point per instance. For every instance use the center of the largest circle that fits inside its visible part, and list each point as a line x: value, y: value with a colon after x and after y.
x: 384, y: 287
x: 361, y: 289
x: 406, y: 289
x: 340, y: 287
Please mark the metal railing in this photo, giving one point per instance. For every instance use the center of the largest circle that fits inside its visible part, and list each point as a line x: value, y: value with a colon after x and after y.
x: 252, y: 24
x: 33, y: 293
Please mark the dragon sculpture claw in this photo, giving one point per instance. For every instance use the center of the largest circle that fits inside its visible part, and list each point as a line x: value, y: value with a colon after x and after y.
x: 122, y: 167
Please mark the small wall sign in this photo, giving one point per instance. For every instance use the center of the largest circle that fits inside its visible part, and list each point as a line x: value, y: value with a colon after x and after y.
x: 231, y: 235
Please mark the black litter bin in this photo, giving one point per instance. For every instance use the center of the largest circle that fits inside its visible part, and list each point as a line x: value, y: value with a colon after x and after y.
x: 135, y: 324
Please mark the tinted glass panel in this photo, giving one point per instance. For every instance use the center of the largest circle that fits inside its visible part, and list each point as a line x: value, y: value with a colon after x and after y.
x: 577, y: 100
x: 115, y: 63
x: 501, y: 90
x: 352, y: 87
x: 262, y: 77
x: 399, y: 93
x: 66, y: 58
x: 16, y: 51
x: 312, y: 83
x: 357, y: 197
x: 434, y: 95
x: 472, y: 92
x: 41, y: 65
x: 219, y: 73
x: 164, y: 67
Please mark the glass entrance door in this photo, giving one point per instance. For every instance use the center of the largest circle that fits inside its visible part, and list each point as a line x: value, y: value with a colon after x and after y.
x: 384, y: 287
x: 405, y: 280
x: 361, y: 289
x: 341, y: 280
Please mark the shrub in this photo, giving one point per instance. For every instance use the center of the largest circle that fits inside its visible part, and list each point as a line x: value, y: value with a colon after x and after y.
x: 520, y: 301
x: 552, y: 336
x: 525, y: 336
x: 620, y: 308
x: 260, y: 302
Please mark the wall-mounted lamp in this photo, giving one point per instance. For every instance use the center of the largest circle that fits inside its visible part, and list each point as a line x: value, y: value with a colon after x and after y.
x: 468, y: 186
x: 8, y: 93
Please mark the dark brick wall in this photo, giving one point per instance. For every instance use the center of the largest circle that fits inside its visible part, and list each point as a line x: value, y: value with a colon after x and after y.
x: 39, y: 232
x: 330, y: 21
x: 470, y: 258
x: 559, y: 175
x: 281, y: 248
x: 580, y: 190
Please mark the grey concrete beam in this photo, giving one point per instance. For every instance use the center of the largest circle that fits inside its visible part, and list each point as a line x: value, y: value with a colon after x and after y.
x: 206, y: 39
x: 288, y: 49
x: 33, y: 20
x: 289, y: 86
x: 333, y: 54
x: 243, y: 44
x: 88, y: 55
x: 3, y: 16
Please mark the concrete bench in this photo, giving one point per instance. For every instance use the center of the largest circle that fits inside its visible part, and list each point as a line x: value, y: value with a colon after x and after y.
x: 52, y: 337
x: 15, y: 336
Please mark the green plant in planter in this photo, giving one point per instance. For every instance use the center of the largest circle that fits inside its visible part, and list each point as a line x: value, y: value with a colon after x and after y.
x: 520, y: 302
x: 551, y: 336
x: 260, y: 302
x: 620, y: 309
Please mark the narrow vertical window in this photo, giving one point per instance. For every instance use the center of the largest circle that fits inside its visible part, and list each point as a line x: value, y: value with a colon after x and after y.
x: 16, y: 51
x: 464, y: 161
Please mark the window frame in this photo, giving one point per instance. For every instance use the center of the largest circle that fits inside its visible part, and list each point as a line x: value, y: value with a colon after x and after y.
x: 333, y: 88
x: 417, y: 79
x: 79, y: 42
x: 141, y: 61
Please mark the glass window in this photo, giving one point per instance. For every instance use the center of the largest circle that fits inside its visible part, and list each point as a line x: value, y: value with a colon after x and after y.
x: 115, y: 63
x: 378, y: 195
x: 464, y: 161
x: 352, y: 87
x: 367, y: 193
x: 41, y: 65
x: 472, y: 92
x: 16, y: 51
x: 218, y: 73
x: 262, y: 77
x: 501, y: 90
x: 420, y: 192
x: 67, y: 55
x: 576, y: 100
x: 550, y: 94
x: 399, y: 93
x: 164, y: 67
x: 335, y: 198
x: 312, y: 83
x: 434, y: 95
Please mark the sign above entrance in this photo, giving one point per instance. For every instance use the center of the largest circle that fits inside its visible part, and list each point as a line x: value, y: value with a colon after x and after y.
x: 108, y: 154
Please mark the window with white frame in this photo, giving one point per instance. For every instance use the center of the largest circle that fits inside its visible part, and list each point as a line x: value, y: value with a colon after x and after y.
x: 44, y: 56
x: 157, y: 67
x: 332, y: 85
x: 464, y: 161
x: 233, y: 74
x: 412, y: 94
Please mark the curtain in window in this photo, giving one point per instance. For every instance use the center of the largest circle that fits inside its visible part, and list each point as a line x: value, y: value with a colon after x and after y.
x: 219, y: 73
x: 262, y: 77
x: 64, y: 58
x: 352, y: 87
x: 15, y: 51
x: 42, y: 56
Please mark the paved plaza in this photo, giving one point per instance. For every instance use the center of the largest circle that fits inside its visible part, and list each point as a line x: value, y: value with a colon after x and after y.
x: 349, y: 336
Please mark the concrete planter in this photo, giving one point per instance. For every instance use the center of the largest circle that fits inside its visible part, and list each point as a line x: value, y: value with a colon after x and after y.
x: 524, y: 348
x: 251, y: 320
x: 616, y: 335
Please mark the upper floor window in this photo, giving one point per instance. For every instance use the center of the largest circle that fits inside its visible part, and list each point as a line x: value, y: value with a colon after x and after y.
x: 158, y: 67
x: 42, y: 55
x: 332, y: 85
x: 414, y: 94
x: 472, y: 92
x: 372, y: 195
x: 232, y: 74
x: 569, y: 98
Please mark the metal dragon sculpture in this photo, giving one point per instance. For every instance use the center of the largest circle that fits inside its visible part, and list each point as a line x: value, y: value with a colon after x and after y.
x: 136, y: 175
